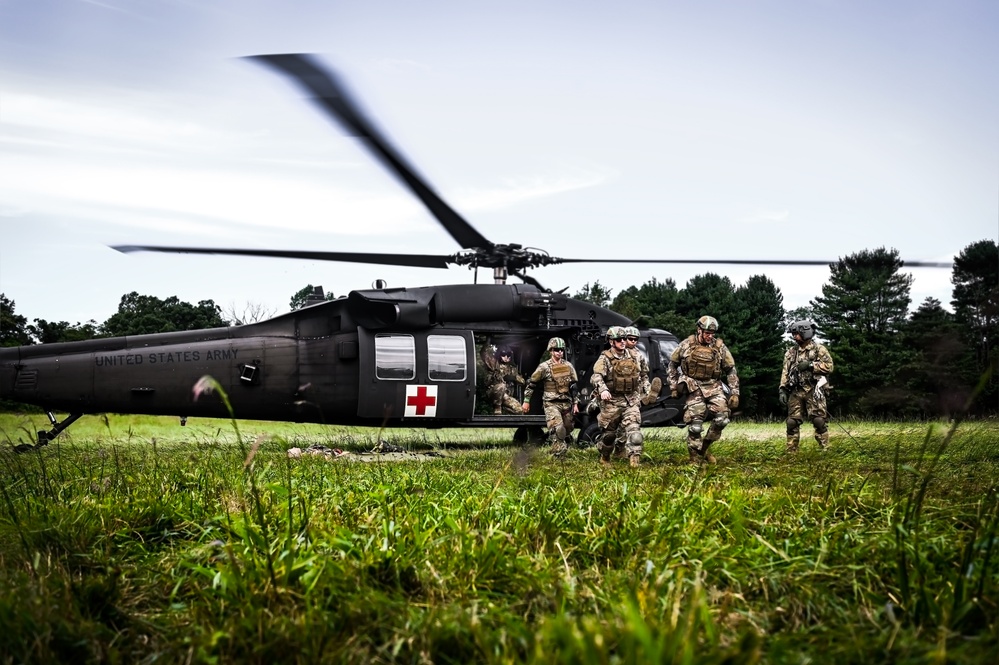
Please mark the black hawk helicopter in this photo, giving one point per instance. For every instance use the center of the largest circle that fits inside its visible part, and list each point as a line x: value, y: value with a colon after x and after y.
x: 394, y: 357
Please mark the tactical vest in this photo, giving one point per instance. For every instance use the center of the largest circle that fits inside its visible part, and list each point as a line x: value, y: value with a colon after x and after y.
x: 624, y: 374
x: 704, y: 361
x: 560, y: 380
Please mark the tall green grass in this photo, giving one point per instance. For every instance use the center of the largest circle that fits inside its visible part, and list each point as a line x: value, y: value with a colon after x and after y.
x: 138, y: 543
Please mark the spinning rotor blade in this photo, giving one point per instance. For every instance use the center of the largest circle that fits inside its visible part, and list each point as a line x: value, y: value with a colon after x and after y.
x: 331, y: 96
x: 744, y: 262
x: 414, y: 260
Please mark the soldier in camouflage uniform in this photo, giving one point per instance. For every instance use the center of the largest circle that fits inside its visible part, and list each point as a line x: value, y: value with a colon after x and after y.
x: 617, y: 380
x: 802, y: 383
x: 502, y: 376
x: 558, y: 378
x: 650, y: 391
x: 695, y: 371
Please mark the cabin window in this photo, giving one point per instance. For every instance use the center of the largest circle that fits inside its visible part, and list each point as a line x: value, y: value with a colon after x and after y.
x: 395, y: 357
x: 666, y: 348
x: 446, y: 359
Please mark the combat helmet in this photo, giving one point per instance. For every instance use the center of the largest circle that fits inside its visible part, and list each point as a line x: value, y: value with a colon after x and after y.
x: 805, y: 328
x: 631, y: 331
x: 615, y: 332
x: 503, y: 351
x: 556, y: 343
x: 708, y: 323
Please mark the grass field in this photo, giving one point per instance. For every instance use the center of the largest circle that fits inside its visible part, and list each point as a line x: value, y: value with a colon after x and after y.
x: 133, y: 539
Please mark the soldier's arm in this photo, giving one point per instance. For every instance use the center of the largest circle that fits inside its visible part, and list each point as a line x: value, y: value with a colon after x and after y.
x: 786, y: 369
x: 536, y: 378
x: 728, y: 370
x: 823, y: 363
x: 597, y: 378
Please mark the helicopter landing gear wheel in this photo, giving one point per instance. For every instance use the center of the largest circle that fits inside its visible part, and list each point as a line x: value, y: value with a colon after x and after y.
x: 529, y: 434
x: 588, y: 437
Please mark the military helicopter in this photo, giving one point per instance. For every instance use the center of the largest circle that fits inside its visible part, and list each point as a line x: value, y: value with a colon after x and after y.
x: 393, y: 357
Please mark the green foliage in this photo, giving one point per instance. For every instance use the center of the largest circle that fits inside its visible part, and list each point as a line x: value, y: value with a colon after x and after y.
x: 940, y: 373
x: 306, y: 294
x: 208, y: 548
x: 13, y: 327
x: 861, y: 313
x: 756, y: 341
x: 596, y: 294
x: 46, y: 332
x: 141, y: 315
x: 976, y: 310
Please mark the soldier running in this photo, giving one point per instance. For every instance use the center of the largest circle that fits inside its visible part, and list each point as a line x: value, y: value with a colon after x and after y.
x: 695, y: 372
x: 558, y: 378
x: 617, y: 379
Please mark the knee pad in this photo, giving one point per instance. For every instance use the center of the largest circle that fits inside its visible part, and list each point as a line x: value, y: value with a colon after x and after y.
x: 635, y: 438
x: 695, y: 428
x: 720, y: 421
x: 820, y: 425
x: 792, y: 425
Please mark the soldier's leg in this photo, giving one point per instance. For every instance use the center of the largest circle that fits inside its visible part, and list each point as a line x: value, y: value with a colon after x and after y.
x: 631, y: 422
x: 556, y: 429
x: 821, y: 432
x: 511, y: 407
x: 795, y: 416
x: 608, y: 420
x: 717, y: 409
x: 693, y: 415
x: 819, y: 417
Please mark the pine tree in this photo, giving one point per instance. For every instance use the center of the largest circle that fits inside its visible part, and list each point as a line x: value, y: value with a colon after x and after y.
x: 862, y: 311
x: 976, y: 309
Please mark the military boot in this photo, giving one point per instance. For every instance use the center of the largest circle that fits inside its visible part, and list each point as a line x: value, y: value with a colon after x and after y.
x: 823, y: 439
x: 634, y: 461
x: 792, y: 443
x: 655, y: 388
x: 695, y: 455
x: 708, y: 457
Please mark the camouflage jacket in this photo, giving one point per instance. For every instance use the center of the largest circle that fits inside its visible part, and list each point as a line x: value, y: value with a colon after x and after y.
x: 555, y: 380
x: 619, y: 375
x: 698, y: 365
x: 815, y: 353
x: 504, y: 374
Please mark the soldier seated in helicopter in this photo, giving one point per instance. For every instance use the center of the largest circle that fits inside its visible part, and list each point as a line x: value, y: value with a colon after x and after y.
x: 502, y: 379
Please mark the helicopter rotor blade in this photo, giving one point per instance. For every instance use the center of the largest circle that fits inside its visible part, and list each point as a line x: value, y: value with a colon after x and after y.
x: 745, y: 262
x: 331, y: 96
x: 527, y: 279
x: 412, y: 260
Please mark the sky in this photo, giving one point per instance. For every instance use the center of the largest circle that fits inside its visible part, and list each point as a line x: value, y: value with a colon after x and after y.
x: 771, y: 129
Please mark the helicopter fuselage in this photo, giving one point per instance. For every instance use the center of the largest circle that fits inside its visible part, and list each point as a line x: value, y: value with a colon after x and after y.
x: 388, y: 357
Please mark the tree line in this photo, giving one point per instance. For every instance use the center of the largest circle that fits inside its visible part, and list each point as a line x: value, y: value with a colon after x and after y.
x: 891, y: 361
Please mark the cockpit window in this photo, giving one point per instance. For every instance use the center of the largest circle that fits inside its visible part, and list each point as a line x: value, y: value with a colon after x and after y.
x: 446, y: 358
x: 395, y: 357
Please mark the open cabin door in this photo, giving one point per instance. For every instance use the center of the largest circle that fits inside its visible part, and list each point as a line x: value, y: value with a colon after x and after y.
x: 416, y: 375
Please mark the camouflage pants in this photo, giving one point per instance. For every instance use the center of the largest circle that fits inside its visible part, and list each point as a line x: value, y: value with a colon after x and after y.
x: 619, y: 412
x: 802, y: 403
x: 502, y: 401
x: 703, y: 405
x: 556, y: 414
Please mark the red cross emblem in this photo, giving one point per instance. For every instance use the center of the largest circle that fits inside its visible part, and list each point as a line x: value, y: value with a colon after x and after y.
x: 421, y: 401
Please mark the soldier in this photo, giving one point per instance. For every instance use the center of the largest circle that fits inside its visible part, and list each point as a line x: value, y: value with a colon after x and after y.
x: 650, y: 391
x: 802, y: 383
x: 558, y: 378
x: 617, y: 380
x: 501, y: 378
x: 695, y: 372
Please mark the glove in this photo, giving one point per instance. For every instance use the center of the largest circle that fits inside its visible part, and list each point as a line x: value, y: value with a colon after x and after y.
x: 782, y: 397
x: 805, y: 366
x: 733, y: 402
